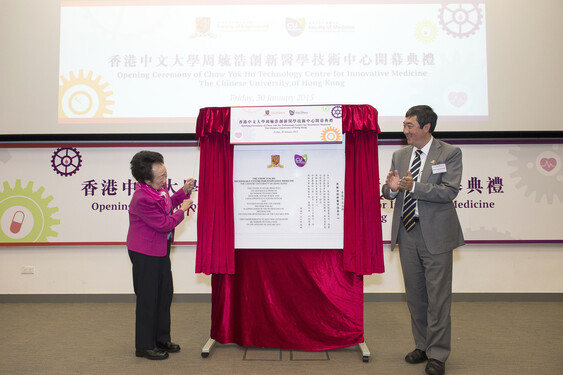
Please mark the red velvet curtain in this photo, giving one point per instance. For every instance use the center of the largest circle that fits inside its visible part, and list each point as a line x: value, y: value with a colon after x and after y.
x: 363, y: 245
x: 363, y: 241
x: 299, y: 299
x: 215, y: 251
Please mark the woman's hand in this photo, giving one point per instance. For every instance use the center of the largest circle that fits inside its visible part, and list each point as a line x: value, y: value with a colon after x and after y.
x: 188, y: 186
x: 186, y: 204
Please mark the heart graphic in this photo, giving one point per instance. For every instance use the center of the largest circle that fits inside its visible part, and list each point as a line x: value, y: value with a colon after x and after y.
x: 457, y: 99
x: 548, y: 163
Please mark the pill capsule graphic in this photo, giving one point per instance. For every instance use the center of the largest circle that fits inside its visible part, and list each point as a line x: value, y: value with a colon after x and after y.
x: 17, y: 222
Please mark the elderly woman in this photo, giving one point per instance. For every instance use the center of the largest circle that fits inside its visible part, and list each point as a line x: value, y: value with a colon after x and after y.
x: 152, y: 220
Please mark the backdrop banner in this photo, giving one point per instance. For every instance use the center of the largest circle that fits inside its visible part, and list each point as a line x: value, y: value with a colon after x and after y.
x: 508, y: 193
x: 81, y: 195
x: 76, y: 194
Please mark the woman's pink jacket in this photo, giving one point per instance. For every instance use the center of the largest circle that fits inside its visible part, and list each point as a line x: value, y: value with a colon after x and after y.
x: 149, y: 224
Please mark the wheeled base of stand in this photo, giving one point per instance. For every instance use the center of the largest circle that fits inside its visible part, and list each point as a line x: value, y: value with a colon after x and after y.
x: 210, y: 343
x: 365, y: 351
x: 207, y: 347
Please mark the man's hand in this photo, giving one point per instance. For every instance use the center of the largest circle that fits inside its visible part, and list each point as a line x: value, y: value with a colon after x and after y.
x: 406, y: 183
x: 393, y: 180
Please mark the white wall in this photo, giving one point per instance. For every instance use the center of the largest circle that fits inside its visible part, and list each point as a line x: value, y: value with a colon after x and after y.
x: 107, y: 270
x: 487, y: 269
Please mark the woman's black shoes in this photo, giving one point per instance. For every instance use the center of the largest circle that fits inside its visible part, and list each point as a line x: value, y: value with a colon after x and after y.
x: 155, y: 353
x: 170, y: 347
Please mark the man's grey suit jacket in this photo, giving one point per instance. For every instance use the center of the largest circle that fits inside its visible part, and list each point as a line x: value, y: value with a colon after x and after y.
x: 435, y: 193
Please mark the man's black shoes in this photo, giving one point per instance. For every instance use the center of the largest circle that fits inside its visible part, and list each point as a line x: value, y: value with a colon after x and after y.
x: 416, y: 356
x: 435, y: 367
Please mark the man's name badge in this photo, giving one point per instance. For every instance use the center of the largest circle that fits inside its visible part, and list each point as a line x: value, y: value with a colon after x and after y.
x: 439, y: 168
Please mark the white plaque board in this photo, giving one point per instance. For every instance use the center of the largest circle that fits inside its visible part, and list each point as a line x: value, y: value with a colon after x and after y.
x: 289, y: 196
x: 286, y: 124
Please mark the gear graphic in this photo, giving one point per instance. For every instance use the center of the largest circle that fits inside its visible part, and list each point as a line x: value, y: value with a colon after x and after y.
x: 331, y: 134
x: 460, y: 20
x: 336, y: 111
x: 24, y: 215
x: 83, y: 96
x: 426, y: 31
x: 539, y: 171
x: 66, y: 161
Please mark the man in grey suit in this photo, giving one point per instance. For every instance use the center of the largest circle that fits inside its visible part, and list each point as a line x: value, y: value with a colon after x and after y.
x: 426, y: 227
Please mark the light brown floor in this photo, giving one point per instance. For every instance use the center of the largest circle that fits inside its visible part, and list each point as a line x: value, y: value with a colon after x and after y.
x: 97, y: 338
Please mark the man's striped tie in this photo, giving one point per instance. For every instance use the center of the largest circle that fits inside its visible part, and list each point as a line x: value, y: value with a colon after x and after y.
x: 410, y: 203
